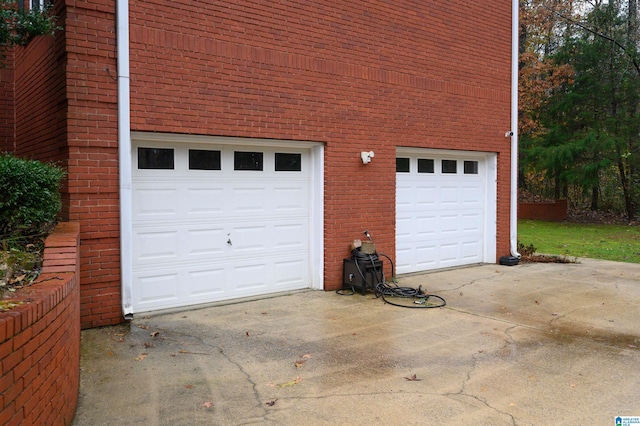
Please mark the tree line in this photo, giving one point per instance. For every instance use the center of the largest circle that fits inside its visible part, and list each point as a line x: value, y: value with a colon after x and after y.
x: 579, y: 120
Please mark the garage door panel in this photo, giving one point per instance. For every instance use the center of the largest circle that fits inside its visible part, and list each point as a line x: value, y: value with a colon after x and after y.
x: 289, y: 273
x: 472, y: 222
x: 248, y: 200
x: 426, y: 255
x: 204, y: 202
x: 403, y: 195
x: 249, y: 277
x: 205, y: 283
x: 425, y: 226
x: 204, y: 242
x: 155, y: 245
x: 290, y: 199
x: 155, y: 203
x: 425, y: 196
x: 248, y: 239
x: 470, y: 250
x: 449, y: 195
x: 290, y: 236
x: 157, y: 289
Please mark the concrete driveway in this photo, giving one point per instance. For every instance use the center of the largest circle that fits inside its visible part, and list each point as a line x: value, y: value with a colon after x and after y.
x: 532, y: 344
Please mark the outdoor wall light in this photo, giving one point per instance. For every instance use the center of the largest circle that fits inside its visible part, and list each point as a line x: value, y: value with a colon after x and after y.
x: 366, y: 156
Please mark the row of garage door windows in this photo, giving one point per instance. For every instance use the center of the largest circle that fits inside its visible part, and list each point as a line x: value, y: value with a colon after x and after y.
x: 427, y: 165
x: 201, y: 159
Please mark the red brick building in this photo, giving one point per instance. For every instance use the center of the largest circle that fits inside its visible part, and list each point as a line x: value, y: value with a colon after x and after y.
x: 219, y: 149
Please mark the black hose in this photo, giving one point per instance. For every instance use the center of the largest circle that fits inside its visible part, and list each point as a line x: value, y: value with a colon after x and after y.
x: 385, y: 290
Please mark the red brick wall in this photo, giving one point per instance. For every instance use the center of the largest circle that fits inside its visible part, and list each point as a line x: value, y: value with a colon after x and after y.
x: 93, y: 155
x: 356, y: 75
x: 555, y: 211
x: 40, y: 341
x: 7, y: 106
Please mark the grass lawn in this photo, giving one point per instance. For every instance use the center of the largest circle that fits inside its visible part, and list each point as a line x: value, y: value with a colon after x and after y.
x: 608, y: 242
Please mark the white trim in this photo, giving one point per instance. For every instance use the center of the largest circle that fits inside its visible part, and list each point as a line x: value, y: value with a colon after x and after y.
x: 317, y: 220
x: 183, y: 139
x: 441, y: 152
x: 124, y: 157
x: 513, y: 220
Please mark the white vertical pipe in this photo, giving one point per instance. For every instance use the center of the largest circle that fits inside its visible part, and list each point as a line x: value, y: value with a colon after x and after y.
x: 124, y: 153
x: 514, y: 128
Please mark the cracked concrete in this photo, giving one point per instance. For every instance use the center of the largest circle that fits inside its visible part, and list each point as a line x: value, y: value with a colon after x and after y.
x: 524, y: 345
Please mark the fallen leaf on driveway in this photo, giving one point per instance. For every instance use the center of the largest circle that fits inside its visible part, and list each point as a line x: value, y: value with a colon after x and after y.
x: 413, y: 378
x: 299, y: 363
x: 291, y: 383
x: 271, y: 403
x: 154, y: 334
x: 207, y: 404
x: 141, y: 357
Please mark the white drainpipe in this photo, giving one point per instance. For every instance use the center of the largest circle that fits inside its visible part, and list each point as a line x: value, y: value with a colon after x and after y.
x: 124, y: 153
x: 514, y: 129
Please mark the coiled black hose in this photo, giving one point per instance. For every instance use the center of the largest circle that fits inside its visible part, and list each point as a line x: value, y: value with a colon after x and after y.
x: 386, y: 290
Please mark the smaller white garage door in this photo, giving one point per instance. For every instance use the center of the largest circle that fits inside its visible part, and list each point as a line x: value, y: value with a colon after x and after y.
x: 445, y: 209
x: 217, y: 222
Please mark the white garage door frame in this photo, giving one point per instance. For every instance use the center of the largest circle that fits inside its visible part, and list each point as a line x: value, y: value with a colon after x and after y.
x: 316, y: 197
x: 487, y: 162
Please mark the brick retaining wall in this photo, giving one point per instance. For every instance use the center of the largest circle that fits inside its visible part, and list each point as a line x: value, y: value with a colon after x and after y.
x: 40, y: 340
x: 553, y: 211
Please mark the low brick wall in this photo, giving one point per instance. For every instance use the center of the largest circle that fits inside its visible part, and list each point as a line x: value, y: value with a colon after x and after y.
x: 554, y: 211
x: 40, y: 340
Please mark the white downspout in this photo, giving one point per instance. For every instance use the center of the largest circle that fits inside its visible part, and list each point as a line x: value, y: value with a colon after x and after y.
x: 514, y: 128
x: 124, y: 153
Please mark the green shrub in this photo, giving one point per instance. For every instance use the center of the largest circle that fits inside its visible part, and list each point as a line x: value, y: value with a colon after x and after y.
x: 29, y: 196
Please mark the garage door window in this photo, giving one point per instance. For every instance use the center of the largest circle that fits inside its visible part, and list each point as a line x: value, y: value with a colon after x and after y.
x: 202, y: 159
x: 449, y: 166
x: 243, y: 160
x: 402, y: 165
x: 155, y: 158
x: 288, y: 162
x: 470, y: 167
x: 425, y: 165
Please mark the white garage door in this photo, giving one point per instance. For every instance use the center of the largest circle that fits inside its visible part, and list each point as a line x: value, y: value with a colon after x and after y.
x: 217, y: 222
x: 445, y: 209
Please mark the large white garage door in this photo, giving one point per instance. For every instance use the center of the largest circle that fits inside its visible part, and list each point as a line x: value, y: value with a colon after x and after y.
x: 445, y: 209
x: 216, y: 222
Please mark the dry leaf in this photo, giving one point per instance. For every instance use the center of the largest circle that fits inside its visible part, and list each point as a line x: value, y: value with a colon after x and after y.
x: 189, y: 386
x: 300, y: 363
x: 144, y: 327
x: 271, y: 403
x: 207, y: 404
x: 154, y: 334
x: 141, y: 357
x: 413, y: 378
x: 291, y: 383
